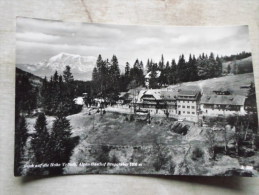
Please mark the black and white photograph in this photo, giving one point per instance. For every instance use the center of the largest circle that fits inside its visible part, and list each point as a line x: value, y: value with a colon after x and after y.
x: 134, y: 99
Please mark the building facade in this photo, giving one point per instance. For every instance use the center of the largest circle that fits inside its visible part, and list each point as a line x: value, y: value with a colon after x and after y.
x: 188, y: 104
x: 215, y: 105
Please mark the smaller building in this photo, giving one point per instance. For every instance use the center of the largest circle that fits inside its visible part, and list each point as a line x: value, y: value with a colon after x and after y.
x: 150, y: 100
x: 214, y: 105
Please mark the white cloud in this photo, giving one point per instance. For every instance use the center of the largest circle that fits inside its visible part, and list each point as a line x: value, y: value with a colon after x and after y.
x: 35, y: 37
x: 147, y: 40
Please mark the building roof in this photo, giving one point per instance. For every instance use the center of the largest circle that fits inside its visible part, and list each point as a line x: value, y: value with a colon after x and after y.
x: 188, y: 92
x: 223, y: 99
x: 169, y: 95
x: 155, y: 93
x: 158, y: 73
x: 192, y: 95
x: 123, y: 94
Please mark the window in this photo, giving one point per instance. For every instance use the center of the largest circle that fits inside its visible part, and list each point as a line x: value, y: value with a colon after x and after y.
x: 188, y: 106
x: 188, y: 112
x: 193, y: 112
x: 179, y: 106
x: 183, y: 111
x: 183, y: 106
x: 193, y: 107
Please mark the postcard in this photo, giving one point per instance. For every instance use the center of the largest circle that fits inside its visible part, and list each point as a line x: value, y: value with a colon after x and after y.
x: 127, y: 99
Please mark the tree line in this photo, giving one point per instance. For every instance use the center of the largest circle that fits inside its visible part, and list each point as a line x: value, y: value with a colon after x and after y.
x: 108, y: 80
x: 57, y: 95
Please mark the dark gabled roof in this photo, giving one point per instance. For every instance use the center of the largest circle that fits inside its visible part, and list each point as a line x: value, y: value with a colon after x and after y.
x: 223, y: 99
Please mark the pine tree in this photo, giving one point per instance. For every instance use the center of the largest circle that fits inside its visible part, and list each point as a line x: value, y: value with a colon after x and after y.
x: 61, y: 143
x: 40, y: 140
x: 148, y: 66
x: 219, y: 67
x: 127, y: 70
x: 181, y: 69
x: 114, y: 77
x: 212, y: 66
x: 68, y: 77
x: 95, y: 75
x: 161, y: 64
x: 55, y: 77
x: 173, y: 76
x: 153, y: 81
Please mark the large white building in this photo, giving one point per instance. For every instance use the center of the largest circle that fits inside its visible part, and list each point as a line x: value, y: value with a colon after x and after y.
x: 188, y: 104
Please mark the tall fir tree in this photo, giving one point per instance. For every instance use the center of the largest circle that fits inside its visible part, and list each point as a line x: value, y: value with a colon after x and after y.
x: 40, y: 140
x: 61, y: 143
x: 68, y: 77
x: 127, y: 70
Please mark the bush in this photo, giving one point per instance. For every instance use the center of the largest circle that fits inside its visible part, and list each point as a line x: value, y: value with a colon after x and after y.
x: 160, y: 160
x: 197, y: 154
x: 114, y: 159
x: 103, y: 156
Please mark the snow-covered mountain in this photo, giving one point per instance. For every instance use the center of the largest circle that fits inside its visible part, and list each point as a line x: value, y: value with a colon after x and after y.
x: 81, y: 66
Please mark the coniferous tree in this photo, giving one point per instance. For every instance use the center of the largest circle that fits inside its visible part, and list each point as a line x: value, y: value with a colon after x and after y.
x: 95, y: 75
x: 181, y: 69
x: 153, y: 84
x: 61, y: 143
x: 55, y: 77
x: 148, y: 66
x: 212, y: 66
x: 219, y: 67
x: 173, y: 76
x: 21, y: 136
x: 40, y: 140
x: 127, y: 70
x: 68, y: 77
x: 161, y: 63
x: 26, y: 94
x: 203, y: 68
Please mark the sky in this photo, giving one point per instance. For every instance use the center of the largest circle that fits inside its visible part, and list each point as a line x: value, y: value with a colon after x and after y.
x: 38, y: 40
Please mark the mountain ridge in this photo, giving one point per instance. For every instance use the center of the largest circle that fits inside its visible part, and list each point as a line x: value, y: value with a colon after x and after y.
x: 81, y: 66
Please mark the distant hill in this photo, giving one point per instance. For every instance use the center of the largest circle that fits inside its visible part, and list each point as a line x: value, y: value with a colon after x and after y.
x: 244, y: 65
x: 35, y: 80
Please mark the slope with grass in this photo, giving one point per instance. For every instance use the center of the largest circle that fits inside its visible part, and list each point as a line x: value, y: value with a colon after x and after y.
x: 234, y: 83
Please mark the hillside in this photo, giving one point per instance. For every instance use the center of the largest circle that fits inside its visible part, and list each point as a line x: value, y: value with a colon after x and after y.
x: 35, y: 80
x: 244, y: 65
x: 234, y: 83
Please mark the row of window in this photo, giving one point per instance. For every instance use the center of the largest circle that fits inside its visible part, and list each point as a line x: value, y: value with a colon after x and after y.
x: 183, y: 101
x: 188, y: 112
x: 193, y: 107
